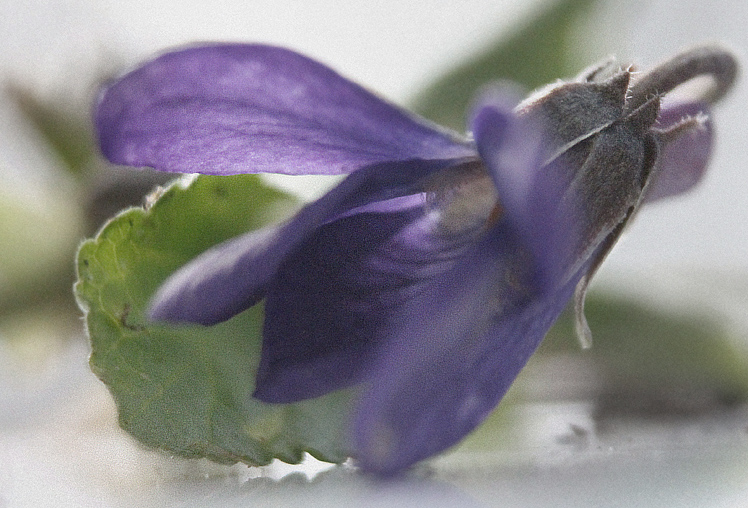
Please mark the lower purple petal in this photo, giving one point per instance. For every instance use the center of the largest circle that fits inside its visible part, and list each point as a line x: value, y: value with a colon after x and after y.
x: 451, y: 353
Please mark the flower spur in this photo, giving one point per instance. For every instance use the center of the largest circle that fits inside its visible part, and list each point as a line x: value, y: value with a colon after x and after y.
x: 431, y: 273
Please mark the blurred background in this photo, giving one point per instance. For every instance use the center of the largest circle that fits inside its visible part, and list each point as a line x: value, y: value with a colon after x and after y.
x: 683, y: 259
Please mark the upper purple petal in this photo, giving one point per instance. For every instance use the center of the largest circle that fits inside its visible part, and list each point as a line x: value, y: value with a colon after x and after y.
x: 234, y: 275
x: 683, y: 161
x: 244, y: 108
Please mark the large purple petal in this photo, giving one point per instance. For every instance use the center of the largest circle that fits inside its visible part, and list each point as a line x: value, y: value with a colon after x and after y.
x: 245, y: 108
x: 513, y: 148
x: 234, y: 275
x: 333, y: 294
x: 451, y: 353
x: 325, y: 304
x: 683, y: 161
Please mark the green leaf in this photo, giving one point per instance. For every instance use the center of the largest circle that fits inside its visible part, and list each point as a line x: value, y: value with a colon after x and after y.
x: 65, y: 129
x: 187, y: 389
x: 540, y: 52
x: 38, y: 238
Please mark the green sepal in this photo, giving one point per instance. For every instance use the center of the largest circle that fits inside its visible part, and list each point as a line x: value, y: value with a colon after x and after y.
x: 537, y: 53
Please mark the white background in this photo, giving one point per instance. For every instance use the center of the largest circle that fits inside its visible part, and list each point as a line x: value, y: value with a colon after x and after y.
x: 395, y: 48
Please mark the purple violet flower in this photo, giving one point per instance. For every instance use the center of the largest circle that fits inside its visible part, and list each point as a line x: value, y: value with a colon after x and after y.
x: 432, y: 272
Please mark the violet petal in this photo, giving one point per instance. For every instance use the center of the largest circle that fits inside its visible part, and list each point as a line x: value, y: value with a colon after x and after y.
x: 683, y: 161
x: 246, y: 108
x: 333, y: 294
x: 233, y: 276
x: 451, y: 354
x: 512, y: 148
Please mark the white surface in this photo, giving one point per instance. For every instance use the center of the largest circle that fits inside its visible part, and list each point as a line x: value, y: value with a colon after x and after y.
x: 70, y: 453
